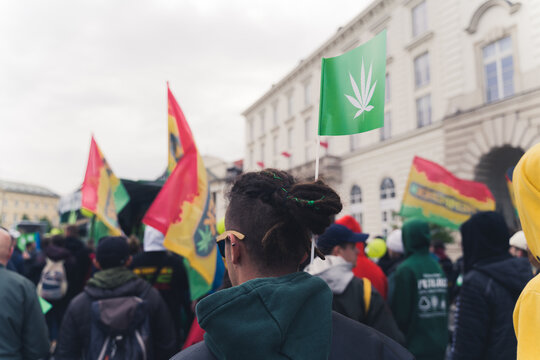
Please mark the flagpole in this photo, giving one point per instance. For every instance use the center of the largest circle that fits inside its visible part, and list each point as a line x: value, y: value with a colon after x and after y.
x: 316, y: 178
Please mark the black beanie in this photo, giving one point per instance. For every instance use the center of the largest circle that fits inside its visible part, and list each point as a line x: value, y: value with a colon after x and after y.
x: 112, y: 251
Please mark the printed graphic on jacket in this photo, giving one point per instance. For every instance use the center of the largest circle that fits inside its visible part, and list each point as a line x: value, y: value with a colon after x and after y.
x: 432, y: 295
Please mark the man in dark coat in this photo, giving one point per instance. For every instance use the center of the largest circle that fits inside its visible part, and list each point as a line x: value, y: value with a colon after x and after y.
x: 23, y: 332
x: 353, y: 297
x: 492, y: 284
x: 114, y: 280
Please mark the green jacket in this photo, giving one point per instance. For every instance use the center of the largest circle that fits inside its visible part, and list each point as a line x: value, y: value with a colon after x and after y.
x: 287, y: 317
x: 23, y: 331
x: 420, y: 300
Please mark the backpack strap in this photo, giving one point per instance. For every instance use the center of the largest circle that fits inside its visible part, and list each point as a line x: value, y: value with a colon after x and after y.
x: 367, y: 295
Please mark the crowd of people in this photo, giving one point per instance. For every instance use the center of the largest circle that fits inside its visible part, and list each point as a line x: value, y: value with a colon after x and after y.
x: 121, y: 301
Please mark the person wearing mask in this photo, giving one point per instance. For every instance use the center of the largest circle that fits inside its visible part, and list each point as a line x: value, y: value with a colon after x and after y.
x: 273, y: 310
x: 353, y: 297
x: 420, y: 298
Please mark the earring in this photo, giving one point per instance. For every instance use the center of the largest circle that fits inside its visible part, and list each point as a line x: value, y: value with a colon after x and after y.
x: 233, y: 244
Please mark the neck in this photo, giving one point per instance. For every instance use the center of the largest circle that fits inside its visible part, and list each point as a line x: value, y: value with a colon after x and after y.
x: 251, y: 274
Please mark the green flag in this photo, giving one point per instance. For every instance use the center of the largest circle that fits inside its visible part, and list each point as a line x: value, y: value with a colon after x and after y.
x: 352, y: 89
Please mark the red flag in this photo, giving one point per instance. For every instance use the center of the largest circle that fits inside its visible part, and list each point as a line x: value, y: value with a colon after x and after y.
x: 286, y: 154
x: 324, y: 144
x: 261, y: 164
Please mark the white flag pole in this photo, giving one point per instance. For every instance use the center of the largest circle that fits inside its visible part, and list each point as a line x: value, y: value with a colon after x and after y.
x: 316, y: 178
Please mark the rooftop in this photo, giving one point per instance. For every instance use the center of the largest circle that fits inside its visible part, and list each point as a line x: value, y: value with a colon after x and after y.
x: 11, y: 186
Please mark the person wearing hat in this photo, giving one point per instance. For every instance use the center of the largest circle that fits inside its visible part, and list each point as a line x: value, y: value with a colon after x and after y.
x: 364, y: 267
x: 526, y: 182
x: 353, y: 297
x: 419, y: 302
x: 394, y: 254
x: 518, y: 245
x: 114, y: 280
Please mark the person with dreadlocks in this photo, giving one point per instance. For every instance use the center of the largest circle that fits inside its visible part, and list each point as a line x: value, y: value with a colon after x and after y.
x: 273, y: 310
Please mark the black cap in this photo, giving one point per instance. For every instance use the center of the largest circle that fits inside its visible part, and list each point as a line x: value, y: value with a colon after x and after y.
x: 338, y: 235
x: 112, y: 251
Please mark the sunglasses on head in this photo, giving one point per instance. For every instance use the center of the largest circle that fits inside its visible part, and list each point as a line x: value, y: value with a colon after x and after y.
x: 221, y: 243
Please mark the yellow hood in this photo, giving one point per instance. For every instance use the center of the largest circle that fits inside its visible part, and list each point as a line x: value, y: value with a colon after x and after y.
x: 526, y: 181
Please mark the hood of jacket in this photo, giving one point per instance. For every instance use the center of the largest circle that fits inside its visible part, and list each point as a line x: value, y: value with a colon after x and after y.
x: 416, y: 237
x: 512, y: 273
x: 526, y: 182
x: 287, y: 317
x: 133, y: 286
x: 335, y: 271
x: 57, y: 253
x: 484, y: 238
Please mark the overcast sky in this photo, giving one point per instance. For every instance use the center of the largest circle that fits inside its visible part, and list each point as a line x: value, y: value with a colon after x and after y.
x: 72, y: 68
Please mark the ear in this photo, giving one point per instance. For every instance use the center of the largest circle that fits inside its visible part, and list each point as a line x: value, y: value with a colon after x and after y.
x: 336, y: 250
x: 236, y: 249
x: 96, y: 264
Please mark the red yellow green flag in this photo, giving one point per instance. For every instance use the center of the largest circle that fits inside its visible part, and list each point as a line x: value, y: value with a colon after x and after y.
x: 435, y: 194
x: 183, y: 209
x: 102, y: 192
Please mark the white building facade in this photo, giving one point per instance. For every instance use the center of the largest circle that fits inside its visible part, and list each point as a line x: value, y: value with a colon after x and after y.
x: 462, y: 89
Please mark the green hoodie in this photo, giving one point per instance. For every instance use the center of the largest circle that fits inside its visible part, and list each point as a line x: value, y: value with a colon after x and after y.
x: 288, y: 317
x: 420, y: 297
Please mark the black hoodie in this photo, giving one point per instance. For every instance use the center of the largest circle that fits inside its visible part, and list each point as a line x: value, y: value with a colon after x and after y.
x: 493, y: 281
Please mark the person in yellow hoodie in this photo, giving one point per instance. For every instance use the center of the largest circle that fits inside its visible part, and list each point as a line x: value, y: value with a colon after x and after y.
x: 526, y: 181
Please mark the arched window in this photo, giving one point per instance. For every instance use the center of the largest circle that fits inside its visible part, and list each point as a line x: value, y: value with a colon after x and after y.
x: 388, y: 190
x: 356, y: 194
x: 356, y: 204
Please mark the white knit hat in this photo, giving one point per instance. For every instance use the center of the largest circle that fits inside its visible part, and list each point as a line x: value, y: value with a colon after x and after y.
x: 518, y: 240
x: 394, y: 242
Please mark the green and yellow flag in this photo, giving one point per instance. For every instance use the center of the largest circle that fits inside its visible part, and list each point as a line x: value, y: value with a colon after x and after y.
x: 102, y: 192
x: 352, y: 89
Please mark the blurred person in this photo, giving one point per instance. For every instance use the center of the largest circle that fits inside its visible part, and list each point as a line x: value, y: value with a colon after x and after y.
x: 438, y: 248
x: 526, y: 182
x: 419, y: 302
x: 364, y: 267
x: 277, y: 311
x: 116, y: 313
x: 394, y: 255
x: 492, y: 283
x: 81, y: 253
x: 353, y: 297
x: 16, y: 262
x: 518, y: 245
x: 134, y: 244
x: 23, y: 331
x: 165, y: 271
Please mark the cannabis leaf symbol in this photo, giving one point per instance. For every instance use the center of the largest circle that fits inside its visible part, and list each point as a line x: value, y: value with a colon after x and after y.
x: 364, y: 95
x: 203, y: 245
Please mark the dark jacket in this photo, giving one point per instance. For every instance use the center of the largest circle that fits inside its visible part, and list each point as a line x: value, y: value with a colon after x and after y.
x: 490, y: 290
x: 172, y: 284
x: 419, y: 302
x: 349, y: 299
x: 75, y: 331
x: 23, y: 332
x: 351, y: 340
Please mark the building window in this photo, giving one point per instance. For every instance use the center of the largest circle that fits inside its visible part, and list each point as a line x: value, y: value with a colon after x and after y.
x: 387, y: 88
x: 356, y: 194
x: 290, y: 104
x: 263, y: 127
x: 388, y: 190
x: 308, y: 129
x: 386, y: 130
x: 384, y: 217
x: 275, y: 113
x: 423, y: 111
x: 421, y: 70
x: 498, y: 69
x: 356, y: 204
x: 307, y: 94
x: 419, y: 19
x: 289, y: 138
x: 354, y: 142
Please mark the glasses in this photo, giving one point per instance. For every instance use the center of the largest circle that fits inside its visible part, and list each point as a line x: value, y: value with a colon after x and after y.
x: 223, y: 236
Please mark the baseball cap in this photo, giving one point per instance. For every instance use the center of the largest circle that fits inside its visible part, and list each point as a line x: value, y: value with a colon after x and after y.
x: 112, y: 251
x: 337, y: 235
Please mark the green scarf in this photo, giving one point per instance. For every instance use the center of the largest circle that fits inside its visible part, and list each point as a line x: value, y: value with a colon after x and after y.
x: 111, y: 278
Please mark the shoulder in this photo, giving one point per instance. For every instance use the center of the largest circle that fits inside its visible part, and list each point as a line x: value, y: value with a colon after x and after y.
x: 349, y: 336
x: 532, y: 289
x: 197, y: 351
x: 12, y: 279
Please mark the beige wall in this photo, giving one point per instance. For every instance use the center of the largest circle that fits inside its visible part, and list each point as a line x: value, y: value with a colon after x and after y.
x: 14, y: 205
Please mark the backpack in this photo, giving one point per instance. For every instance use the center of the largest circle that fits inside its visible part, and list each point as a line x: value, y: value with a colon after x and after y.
x: 120, y: 328
x: 53, y: 282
